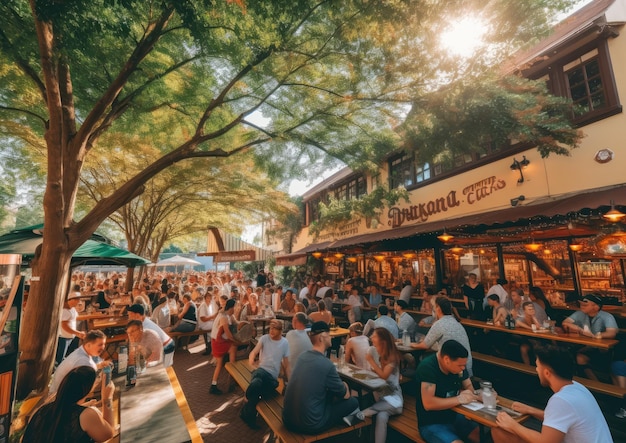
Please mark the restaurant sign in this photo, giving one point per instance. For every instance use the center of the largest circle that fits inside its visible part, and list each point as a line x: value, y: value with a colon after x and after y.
x: 421, y: 212
x: 228, y: 256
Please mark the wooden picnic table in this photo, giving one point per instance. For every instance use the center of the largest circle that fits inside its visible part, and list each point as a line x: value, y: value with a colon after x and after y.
x: 485, y: 417
x: 156, y: 410
x: 602, y: 343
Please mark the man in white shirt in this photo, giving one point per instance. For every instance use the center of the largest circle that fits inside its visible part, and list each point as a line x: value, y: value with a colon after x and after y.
x: 161, y: 314
x: 353, y: 308
x: 67, y: 330
x: 94, y: 344
x: 206, y: 316
x: 571, y: 415
x: 498, y: 289
x: 137, y: 312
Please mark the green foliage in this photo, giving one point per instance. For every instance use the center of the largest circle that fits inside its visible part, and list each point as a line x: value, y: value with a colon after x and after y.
x: 469, y: 116
x: 369, y: 207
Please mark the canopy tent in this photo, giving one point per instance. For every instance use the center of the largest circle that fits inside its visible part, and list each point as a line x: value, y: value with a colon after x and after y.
x: 178, y: 260
x: 94, y: 251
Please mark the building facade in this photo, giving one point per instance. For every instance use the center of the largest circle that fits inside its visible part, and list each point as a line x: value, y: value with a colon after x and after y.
x: 509, y: 212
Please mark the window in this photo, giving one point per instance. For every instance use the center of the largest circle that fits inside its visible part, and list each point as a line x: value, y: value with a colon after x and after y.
x: 586, y: 77
x: 352, y: 189
x: 584, y: 84
x: 422, y: 172
x: 401, y: 171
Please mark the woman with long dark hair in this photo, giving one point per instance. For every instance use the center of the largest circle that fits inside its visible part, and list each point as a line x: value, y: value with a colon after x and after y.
x: 65, y: 420
x: 390, y: 401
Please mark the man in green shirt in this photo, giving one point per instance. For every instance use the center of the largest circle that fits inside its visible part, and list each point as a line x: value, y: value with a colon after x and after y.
x: 443, y: 383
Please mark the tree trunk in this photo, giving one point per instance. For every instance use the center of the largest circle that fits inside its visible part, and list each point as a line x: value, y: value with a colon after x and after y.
x: 130, y: 275
x: 45, y: 302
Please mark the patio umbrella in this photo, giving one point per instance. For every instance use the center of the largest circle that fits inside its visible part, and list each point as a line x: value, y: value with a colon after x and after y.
x: 93, y: 252
x: 178, y: 260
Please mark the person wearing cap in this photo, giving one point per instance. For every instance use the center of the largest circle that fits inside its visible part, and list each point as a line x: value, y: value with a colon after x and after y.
x: 406, y: 323
x: 571, y: 415
x: 67, y: 329
x: 590, y: 321
x: 137, y: 312
x: 316, y: 399
x: 273, y: 352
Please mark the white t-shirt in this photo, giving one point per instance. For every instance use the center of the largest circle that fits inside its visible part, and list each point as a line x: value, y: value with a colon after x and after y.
x: 303, y: 293
x: 77, y: 358
x: 575, y: 412
x: 69, y: 315
x: 206, y: 311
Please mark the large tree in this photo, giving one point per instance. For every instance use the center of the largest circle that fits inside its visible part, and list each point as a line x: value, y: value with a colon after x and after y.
x: 333, y: 77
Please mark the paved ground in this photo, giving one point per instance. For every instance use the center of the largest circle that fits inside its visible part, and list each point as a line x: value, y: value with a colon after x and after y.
x: 217, y: 416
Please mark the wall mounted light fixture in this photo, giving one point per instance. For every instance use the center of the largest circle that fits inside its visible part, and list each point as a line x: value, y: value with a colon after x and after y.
x: 515, y: 201
x: 519, y: 165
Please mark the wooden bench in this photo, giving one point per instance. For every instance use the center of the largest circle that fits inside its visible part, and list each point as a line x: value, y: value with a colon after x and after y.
x: 271, y: 409
x: 406, y: 423
x: 177, y: 335
x: 592, y: 385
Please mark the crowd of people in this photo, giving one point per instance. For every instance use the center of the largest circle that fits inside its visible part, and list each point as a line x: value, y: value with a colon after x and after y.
x: 219, y: 305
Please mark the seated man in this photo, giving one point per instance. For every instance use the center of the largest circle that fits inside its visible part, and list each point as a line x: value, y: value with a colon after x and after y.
x: 443, y: 383
x: 357, y: 346
x: 590, y: 321
x: 136, y: 312
x: 572, y: 413
x: 93, y: 345
x: 383, y: 320
x: 273, y: 351
x: 316, y: 399
x: 297, y: 338
x: 374, y: 298
x: 353, y: 307
x: 406, y: 323
x: 147, y: 341
x: 526, y: 321
x: 161, y: 314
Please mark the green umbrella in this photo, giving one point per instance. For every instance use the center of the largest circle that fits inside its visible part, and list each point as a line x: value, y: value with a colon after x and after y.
x: 93, y: 252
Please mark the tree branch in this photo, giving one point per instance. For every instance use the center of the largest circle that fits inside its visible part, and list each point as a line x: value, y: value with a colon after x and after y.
x: 26, y: 111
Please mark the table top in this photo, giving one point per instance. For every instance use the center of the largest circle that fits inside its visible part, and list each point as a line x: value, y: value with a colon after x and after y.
x: 362, y: 377
x: 602, y: 343
x: 339, y: 332
x: 489, y: 418
x: 150, y: 411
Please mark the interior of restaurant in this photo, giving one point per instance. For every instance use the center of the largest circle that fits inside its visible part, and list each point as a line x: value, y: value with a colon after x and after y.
x: 566, y: 256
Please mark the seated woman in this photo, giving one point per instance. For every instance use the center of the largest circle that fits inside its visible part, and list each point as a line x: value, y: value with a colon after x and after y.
x: 357, y: 346
x: 322, y: 314
x: 187, y: 319
x: 388, y: 368
x: 65, y: 420
x: 250, y: 309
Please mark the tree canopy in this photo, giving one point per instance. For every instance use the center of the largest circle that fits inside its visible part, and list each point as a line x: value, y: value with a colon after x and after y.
x: 334, y: 79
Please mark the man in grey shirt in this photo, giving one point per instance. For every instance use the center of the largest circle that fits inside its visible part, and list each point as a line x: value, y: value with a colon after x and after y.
x: 383, y: 320
x: 298, y: 338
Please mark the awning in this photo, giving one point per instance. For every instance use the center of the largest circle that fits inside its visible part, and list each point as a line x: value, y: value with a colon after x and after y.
x: 92, y: 252
x: 548, y: 207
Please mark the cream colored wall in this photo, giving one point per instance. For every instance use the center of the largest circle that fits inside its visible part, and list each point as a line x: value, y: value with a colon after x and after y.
x: 545, y: 179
